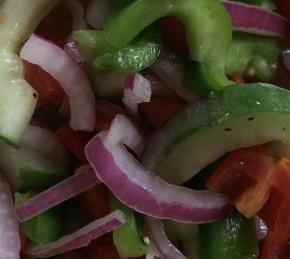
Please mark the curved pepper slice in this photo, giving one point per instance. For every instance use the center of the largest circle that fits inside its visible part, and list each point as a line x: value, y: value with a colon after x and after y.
x: 233, y: 237
x: 209, y: 46
x: 138, y: 54
x: 128, y: 238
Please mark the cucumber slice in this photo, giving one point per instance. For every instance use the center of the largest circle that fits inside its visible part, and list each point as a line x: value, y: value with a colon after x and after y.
x: 239, y: 116
x: 38, y: 163
x: 17, y: 97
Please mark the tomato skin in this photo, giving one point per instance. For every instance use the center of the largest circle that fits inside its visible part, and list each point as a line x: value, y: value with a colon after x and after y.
x: 160, y: 110
x: 49, y: 90
x: 283, y: 7
x: 105, y: 113
x: 74, y: 141
x: 56, y: 26
x: 258, y: 183
x: 173, y: 34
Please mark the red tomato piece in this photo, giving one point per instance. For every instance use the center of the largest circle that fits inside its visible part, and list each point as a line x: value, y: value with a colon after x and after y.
x: 56, y: 26
x: 49, y: 90
x: 173, y: 34
x: 159, y: 110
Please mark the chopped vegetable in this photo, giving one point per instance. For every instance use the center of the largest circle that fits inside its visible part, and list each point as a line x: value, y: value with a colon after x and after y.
x: 20, y: 20
x: 83, y: 180
x: 106, y: 154
x: 80, y: 238
x: 233, y: 237
x: 237, y: 117
x: 70, y: 76
x: 43, y: 228
x: 128, y: 238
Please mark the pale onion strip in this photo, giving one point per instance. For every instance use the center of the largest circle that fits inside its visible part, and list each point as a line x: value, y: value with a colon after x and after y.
x: 9, y: 234
x: 160, y: 241
x: 74, y: 81
x: 84, y: 179
x: 139, y: 189
x: 137, y: 90
x: 80, y: 238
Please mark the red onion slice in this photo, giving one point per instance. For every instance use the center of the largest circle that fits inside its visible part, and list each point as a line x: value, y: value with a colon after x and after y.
x: 9, y: 237
x: 84, y: 179
x: 137, y: 90
x: 138, y: 189
x: 70, y: 76
x: 254, y: 19
x: 80, y: 238
x: 160, y: 241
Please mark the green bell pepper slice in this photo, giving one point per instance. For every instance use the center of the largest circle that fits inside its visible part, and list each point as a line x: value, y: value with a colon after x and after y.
x: 43, y: 228
x: 128, y: 238
x: 208, y: 46
x: 233, y: 237
x: 137, y: 55
x: 253, y: 55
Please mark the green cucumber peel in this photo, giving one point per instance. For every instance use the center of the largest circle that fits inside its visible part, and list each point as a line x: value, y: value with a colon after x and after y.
x: 43, y: 228
x: 17, y: 98
x: 233, y: 237
x: 238, y: 116
x: 128, y: 239
x: 137, y: 55
x: 26, y: 167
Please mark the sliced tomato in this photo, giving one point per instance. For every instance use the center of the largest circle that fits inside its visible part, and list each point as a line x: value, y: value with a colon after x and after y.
x: 258, y: 183
x: 158, y: 110
x: 56, y: 26
x: 283, y: 7
x: 95, y: 202
x: 240, y: 174
x: 237, y: 79
x: 102, y: 248
x: 173, y: 34
x: 74, y: 141
x: 105, y: 113
x: 75, y: 254
x: 49, y: 90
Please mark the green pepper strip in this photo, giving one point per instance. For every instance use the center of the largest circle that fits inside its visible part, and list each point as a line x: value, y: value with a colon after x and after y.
x: 134, y: 56
x: 207, y: 27
x: 233, y: 237
x: 43, y: 228
x: 128, y: 238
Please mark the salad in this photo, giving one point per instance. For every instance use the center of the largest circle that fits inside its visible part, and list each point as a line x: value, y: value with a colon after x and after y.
x: 144, y: 129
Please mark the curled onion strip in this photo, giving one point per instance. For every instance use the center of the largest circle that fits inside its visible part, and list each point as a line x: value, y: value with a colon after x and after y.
x: 137, y: 188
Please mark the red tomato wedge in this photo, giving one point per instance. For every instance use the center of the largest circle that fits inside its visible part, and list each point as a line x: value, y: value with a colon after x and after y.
x: 74, y: 141
x: 56, y: 26
x: 105, y: 113
x: 173, y: 34
x: 49, y: 90
x: 258, y: 182
x: 158, y: 110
